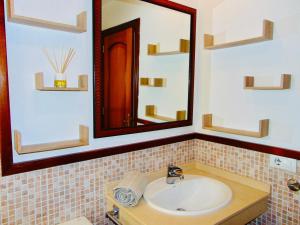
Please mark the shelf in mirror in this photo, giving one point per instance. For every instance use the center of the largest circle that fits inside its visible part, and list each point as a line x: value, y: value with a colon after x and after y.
x: 82, y: 84
x: 285, y: 83
x: 25, y: 149
x: 153, y: 82
x: 151, y: 111
x: 267, y: 35
x: 263, y: 128
x: 80, y: 26
x: 184, y: 48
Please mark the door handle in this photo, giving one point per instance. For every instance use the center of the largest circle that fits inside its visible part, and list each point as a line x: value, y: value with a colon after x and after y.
x: 128, y: 121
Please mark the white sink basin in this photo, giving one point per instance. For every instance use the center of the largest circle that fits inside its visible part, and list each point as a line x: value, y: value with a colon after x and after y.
x: 195, y: 195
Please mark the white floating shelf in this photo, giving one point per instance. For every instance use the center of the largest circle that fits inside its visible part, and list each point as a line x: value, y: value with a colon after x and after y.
x: 25, y: 149
x: 184, y: 48
x: 267, y: 35
x: 80, y: 26
x: 82, y: 84
x: 285, y: 83
x: 151, y: 111
x: 263, y: 128
x: 153, y: 82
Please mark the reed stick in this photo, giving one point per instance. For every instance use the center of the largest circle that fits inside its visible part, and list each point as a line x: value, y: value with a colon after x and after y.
x: 50, y: 60
x: 60, y: 61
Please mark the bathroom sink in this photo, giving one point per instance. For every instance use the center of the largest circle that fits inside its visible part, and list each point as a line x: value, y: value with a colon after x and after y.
x: 195, y: 195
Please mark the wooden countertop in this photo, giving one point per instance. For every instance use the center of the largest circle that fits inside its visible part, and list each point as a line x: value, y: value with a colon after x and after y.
x: 250, y: 199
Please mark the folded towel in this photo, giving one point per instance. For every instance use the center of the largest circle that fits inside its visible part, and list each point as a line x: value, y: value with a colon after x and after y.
x: 129, y: 191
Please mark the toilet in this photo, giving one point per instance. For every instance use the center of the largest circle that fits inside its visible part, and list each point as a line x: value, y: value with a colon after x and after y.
x: 77, y: 221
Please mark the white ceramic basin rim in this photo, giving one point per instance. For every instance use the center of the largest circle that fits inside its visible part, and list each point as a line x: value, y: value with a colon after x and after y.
x: 195, y: 195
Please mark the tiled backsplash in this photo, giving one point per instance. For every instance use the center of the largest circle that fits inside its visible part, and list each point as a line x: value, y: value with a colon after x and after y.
x: 54, y: 195
x: 284, y: 208
x: 58, y: 194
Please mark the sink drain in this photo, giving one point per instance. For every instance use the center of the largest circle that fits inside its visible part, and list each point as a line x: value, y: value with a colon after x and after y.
x: 180, y: 209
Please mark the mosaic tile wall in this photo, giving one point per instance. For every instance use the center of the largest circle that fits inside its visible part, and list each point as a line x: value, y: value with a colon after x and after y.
x: 284, y: 208
x: 55, y: 195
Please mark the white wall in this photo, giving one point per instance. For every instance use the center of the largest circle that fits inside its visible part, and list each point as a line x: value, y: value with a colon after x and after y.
x: 166, y: 27
x: 53, y: 116
x: 226, y: 99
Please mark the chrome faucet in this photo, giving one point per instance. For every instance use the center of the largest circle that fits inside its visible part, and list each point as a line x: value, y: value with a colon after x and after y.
x: 174, y: 173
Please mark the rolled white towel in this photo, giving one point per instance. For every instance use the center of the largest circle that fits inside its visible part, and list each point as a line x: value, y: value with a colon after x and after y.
x: 130, y: 190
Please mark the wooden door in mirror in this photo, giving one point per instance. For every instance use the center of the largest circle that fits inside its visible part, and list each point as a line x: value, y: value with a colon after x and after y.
x: 144, y: 59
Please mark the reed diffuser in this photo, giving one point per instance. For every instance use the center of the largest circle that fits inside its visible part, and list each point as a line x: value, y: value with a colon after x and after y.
x: 59, y: 62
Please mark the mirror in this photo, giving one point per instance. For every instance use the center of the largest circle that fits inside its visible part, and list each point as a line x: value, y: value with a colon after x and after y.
x: 144, y: 70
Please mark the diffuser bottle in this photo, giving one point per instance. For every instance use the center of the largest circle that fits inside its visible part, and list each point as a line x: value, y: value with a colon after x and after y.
x: 60, y: 62
x: 60, y: 80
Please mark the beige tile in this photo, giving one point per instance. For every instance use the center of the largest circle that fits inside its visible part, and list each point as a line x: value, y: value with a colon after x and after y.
x: 62, y: 193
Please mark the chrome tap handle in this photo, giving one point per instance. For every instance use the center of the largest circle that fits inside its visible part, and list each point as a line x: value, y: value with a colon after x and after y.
x: 173, y: 174
x: 172, y: 170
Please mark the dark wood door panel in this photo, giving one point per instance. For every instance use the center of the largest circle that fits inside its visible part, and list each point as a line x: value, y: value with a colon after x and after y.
x: 118, y: 78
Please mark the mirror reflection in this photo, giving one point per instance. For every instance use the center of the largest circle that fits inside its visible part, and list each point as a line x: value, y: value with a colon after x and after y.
x: 145, y: 64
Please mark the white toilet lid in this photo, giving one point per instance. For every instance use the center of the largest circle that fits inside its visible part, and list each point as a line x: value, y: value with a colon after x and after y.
x: 77, y: 221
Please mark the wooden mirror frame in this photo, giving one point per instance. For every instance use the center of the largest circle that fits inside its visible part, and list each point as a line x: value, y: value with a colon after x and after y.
x: 9, y: 167
x: 99, y: 132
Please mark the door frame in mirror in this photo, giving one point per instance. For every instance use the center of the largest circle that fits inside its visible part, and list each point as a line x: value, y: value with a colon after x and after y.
x: 134, y: 26
x: 99, y: 132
